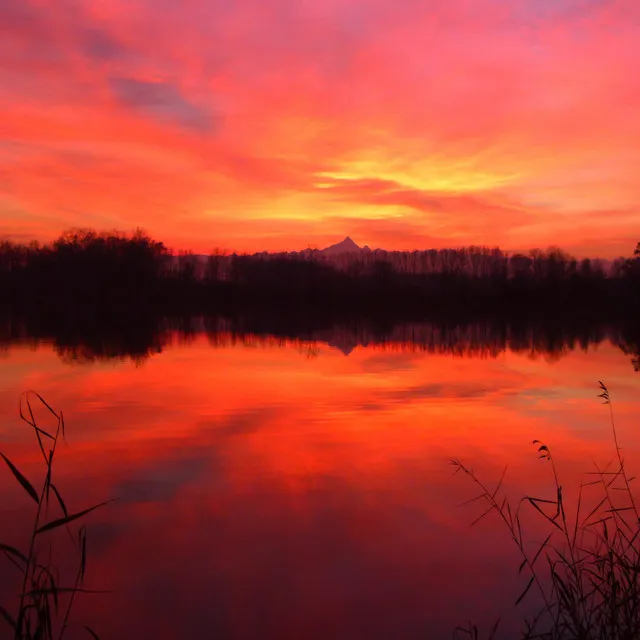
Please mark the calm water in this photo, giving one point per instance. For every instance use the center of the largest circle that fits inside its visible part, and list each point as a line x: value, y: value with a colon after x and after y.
x: 292, y: 489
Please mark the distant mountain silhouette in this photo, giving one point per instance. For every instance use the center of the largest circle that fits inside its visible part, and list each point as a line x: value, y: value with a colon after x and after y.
x: 346, y: 246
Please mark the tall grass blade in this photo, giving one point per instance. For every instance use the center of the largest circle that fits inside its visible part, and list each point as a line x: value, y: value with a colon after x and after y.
x: 54, y: 591
x: 534, y: 501
x: 495, y: 491
x: 46, y: 404
x: 541, y: 549
x: 523, y: 564
x: 83, y: 559
x: 60, y: 522
x: 64, y: 436
x: 486, y: 513
x: 63, y: 506
x: 526, y: 590
x: 8, y: 617
x: 26, y: 485
x: 12, y: 552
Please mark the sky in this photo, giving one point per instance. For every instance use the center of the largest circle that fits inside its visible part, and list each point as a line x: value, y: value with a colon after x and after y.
x: 254, y: 125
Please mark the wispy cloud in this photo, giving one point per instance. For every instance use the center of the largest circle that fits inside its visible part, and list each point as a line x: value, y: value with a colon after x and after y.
x: 160, y: 100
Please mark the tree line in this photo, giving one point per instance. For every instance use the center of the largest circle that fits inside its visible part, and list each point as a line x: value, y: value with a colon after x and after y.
x: 115, y: 272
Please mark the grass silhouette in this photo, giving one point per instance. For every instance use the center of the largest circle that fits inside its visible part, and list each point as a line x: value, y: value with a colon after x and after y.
x: 44, y: 604
x: 586, y: 571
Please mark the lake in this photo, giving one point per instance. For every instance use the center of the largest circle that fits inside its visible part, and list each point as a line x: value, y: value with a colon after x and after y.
x: 270, y: 487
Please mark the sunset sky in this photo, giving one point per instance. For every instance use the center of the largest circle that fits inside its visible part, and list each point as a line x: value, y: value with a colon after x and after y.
x: 255, y: 124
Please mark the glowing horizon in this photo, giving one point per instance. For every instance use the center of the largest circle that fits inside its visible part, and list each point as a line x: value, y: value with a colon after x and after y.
x: 272, y: 126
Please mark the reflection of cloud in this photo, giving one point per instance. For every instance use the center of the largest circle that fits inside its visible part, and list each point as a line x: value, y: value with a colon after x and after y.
x: 160, y: 100
x: 462, y: 391
x: 457, y: 390
x: 386, y: 362
x: 370, y: 406
x: 106, y: 533
x: 240, y: 423
x: 334, y: 548
x: 161, y: 480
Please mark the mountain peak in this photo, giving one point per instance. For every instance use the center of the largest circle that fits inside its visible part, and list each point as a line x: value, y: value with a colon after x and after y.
x: 346, y: 246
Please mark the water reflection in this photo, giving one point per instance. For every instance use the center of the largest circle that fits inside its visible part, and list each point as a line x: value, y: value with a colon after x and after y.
x: 138, y: 339
x: 271, y: 487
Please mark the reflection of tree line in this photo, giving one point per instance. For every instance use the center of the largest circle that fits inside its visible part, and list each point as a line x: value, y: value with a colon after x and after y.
x: 138, y: 339
x: 486, y: 339
x: 631, y: 348
x: 83, y: 340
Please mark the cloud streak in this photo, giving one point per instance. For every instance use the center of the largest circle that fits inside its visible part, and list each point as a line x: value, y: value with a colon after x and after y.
x: 161, y: 101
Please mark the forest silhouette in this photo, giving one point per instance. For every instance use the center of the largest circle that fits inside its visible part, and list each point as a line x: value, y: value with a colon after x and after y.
x: 84, y: 272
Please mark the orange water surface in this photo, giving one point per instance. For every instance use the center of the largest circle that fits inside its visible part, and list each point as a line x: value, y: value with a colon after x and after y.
x: 274, y: 489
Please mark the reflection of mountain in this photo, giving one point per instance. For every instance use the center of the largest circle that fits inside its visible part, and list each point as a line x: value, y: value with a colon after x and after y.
x: 137, y: 339
x: 346, y: 347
